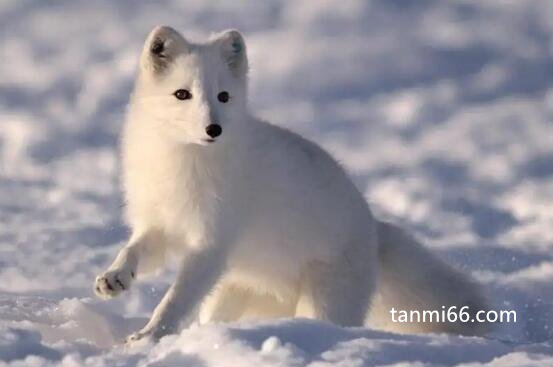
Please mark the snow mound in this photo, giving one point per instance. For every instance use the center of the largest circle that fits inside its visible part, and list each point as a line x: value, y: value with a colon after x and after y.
x: 77, y: 332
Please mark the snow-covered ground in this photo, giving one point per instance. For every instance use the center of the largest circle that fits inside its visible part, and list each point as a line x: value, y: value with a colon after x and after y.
x: 441, y: 110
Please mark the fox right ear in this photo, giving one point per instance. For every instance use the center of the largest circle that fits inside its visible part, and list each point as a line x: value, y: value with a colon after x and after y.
x: 233, y: 50
x: 162, y: 45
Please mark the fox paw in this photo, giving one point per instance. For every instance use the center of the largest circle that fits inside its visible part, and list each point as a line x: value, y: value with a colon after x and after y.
x: 113, y: 282
x: 139, y: 335
x: 149, y: 333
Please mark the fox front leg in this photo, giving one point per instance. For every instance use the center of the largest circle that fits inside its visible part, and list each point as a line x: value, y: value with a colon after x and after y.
x: 198, y: 274
x: 142, y: 253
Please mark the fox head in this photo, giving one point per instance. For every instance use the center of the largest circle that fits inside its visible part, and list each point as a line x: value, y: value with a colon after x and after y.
x: 193, y: 92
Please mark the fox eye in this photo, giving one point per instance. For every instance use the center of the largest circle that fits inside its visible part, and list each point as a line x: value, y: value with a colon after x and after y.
x: 223, y: 97
x: 182, y: 94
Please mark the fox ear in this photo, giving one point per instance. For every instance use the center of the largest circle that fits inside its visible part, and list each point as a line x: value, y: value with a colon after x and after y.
x: 233, y: 50
x: 162, y: 45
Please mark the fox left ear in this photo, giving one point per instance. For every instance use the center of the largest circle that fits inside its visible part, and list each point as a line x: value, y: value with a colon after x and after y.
x: 233, y: 50
x: 160, y: 49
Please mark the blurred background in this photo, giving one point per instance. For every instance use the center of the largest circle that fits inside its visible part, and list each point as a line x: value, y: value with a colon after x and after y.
x: 441, y: 110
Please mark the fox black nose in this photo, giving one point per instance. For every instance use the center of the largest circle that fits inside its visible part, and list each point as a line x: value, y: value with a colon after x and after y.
x: 214, y: 130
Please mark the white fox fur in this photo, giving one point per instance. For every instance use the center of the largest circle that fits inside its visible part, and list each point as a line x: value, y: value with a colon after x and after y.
x: 266, y: 222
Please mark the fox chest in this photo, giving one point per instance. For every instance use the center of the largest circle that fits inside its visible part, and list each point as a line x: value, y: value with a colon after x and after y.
x: 183, y: 206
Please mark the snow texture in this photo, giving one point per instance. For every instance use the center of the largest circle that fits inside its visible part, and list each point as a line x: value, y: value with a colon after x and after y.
x: 441, y: 110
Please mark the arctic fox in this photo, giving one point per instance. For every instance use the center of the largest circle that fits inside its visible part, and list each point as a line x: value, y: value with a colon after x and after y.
x: 266, y: 222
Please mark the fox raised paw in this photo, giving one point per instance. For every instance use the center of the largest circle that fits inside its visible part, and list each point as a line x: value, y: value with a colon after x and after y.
x: 111, y: 283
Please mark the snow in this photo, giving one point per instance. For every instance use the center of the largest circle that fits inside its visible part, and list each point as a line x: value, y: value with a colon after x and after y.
x: 441, y: 110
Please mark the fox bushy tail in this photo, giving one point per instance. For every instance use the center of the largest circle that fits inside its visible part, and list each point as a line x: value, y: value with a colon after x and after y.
x: 411, y: 278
